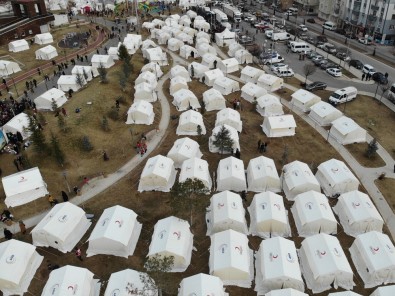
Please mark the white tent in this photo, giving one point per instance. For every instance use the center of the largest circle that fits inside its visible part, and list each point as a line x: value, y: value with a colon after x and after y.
x: 185, y: 38
x: 201, y: 40
x: 250, y: 92
x: 23, y: 187
x: 172, y: 237
x: 156, y: 55
x: 185, y: 21
x: 345, y: 293
x: 116, y: 233
x: 262, y: 175
x: 141, y: 112
x: 180, y: 71
x: 279, y: 126
x: 270, y: 82
x: 213, y: 100
x: 8, y: 68
x: 178, y: 83
x: 196, y: 168
x: 243, y: 56
x: 134, y: 38
x: 233, y: 47
x: 144, y: 91
x: 183, y: 149
x: 18, y: 123
x: 277, y: 266
x: 336, y: 178
x: 154, y: 68
x: 324, y: 113
x: 187, y: 51
x: 174, y: 44
x: 105, y: 61
x: 44, y: 38
x: 189, y: 122
x: 162, y: 37
x: 234, y: 135
x: 191, y: 14
x: 384, y: 291
x: 231, y: 259
x: 18, y: 45
x: 184, y: 99
x: 347, y: 131
x: 148, y: 77
x: 45, y: 100
x: 46, y: 53
x: 19, y: 262
x: 211, y: 75
x: 297, y: 177
x: 62, y: 228
x: 147, y: 43
x: 303, y: 99
x: 357, y: 213
x: 210, y: 59
x: 131, y: 47
x: 158, y: 174
x: 230, y: 175
x: 225, y: 212
x: 67, y: 82
x: 87, y: 71
x: 190, y: 31
x: 373, y: 255
x: 205, y: 48
x: 198, y: 70
x: 229, y: 117
x: 201, y: 25
x: 229, y: 65
x: 285, y: 292
x: 203, y: 35
x: 202, y: 284
x: 226, y: 85
x: 268, y: 216
x: 127, y: 281
x: 250, y: 74
x: 113, y: 53
x: 313, y: 214
x: 269, y: 105
x: 225, y: 38
x: 324, y: 264
x: 71, y: 280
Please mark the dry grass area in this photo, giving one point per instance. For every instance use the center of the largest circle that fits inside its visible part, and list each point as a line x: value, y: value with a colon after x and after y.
x: 386, y: 187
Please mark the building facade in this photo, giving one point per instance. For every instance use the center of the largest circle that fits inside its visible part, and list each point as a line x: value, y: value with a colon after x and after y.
x: 309, y: 7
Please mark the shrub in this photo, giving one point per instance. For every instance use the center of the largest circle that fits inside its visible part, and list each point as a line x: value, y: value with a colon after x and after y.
x: 86, y: 144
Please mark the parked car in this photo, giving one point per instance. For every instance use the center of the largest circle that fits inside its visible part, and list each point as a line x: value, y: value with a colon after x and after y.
x: 302, y: 35
x: 340, y: 31
x: 317, y: 85
x: 343, y: 95
x: 310, y: 40
x: 357, y: 64
x: 319, y: 61
x: 334, y: 72
x: 368, y: 69
x: 262, y: 25
x: 303, y: 28
x: 368, y: 41
x: 322, y: 39
x: 317, y: 58
x: 284, y: 72
x: 311, y: 54
x: 380, y: 78
x: 246, y: 40
x: 325, y: 66
x: 274, y: 60
x: 276, y: 66
x: 343, y: 56
x: 311, y: 21
x: 328, y: 47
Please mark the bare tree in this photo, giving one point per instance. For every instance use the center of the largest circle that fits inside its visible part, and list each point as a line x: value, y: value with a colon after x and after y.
x: 308, y: 70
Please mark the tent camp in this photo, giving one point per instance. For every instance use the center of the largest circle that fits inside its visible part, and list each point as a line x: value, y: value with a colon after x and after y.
x: 190, y: 31
x: 225, y: 38
x: 347, y: 131
x: 203, y: 35
x: 357, y: 213
x: 44, y: 38
x: 268, y: 216
x: 250, y: 74
x: 134, y: 39
x: 87, y: 71
x: 202, y: 284
x: 18, y: 45
x: 269, y: 105
x: 384, y: 291
x: 229, y: 65
x: 46, y: 53
x: 178, y: 83
x: 187, y: 51
x: 180, y: 71
x: 131, y: 47
x: 270, y: 82
x: 225, y: 212
x: 154, y: 68
x: 279, y: 126
x: 285, y: 292
x: 172, y: 237
x: 105, y: 61
x: 277, y: 266
x: 184, y: 99
x: 210, y: 60
x: 303, y: 99
x: 19, y: 262
x: 234, y: 135
x: 18, y: 123
x: 71, y: 280
x: 185, y: 38
x: 205, y: 48
x: 229, y: 117
x: 144, y: 91
x: 231, y: 259
x: 158, y: 174
x: 313, y: 214
x: 373, y: 255
x: 233, y: 47
x: 127, y: 281
x: 297, y: 177
x: 116, y: 233
x: 67, y: 82
x: 45, y: 101
x: 162, y: 38
x: 189, y: 122
x: 262, y: 175
x: 230, y: 175
x: 243, y: 56
x: 141, y: 112
x: 196, y: 168
x: 23, y: 187
x: 8, y: 68
x: 183, y: 149
x: 345, y: 293
x: 324, y: 113
x: 213, y: 100
x: 202, y: 26
x: 148, y: 77
x: 197, y: 70
x: 174, y: 44
x: 210, y: 76
x: 226, y: 85
x: 113, y: 53
x: 156, y: 55
x: 336, y: 178
x: 62, y: 228
x: 250, y: 92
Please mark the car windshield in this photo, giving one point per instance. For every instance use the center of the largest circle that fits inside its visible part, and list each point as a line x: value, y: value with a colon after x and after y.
x: 335, y: 95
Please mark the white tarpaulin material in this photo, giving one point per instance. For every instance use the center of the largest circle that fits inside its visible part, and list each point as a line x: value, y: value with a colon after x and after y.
x: 141, y: 112
x: 184, y: 99
x: 262, y: 175
x: 347, y: 131
x: 226, y: 85
x: 156, y: 55
x: 324, y: 113
x: 373, y: 255
x: 250, y: 92
x: 279, y: 126
x: 198, y: 70
x: 62, y: 228
x: 154, y: 68
x: 183, y: 149
x: 18, y: 123
x: 205, y: 48
x: 234, y: 135
x: 230, y: 175
x: 384, y: 291
x: 268, y: 216
x: 243, y: 56
x: 202, y: 284
x: 144, y: 91
x: 285, y: 292
x: 46, y: 53
x: 23, y: 187
x: 225, y: 38
x: 232, y: 48
x: 116, y: 233
x: 174, y: 44
x: 269, y: 105
x: 127, y: 281
x: 45, y: 101
x: 105, y: 61
x: 277, y: 266
x: 213, y: 100
x: 177, y: 83
x: 210, y: 76
x: 189, y: 123
x: 172, y: 237
x: 44, y: 38
x: 87, y: 71
x: 67, y: 82
x: 196, y: 168
x: 357, y: 213
x: 270, y: 82
x: 229, y: 117
x: 210, y: 60
x: 180, y: 71
x: 8, y: 68
x: 324, y: 264
x: 18, y: 45
x: 225, y: 212
x: 345, y: 293
x: 250, y: 74
x: 187, y: 51
x: 229, y: 65
x: 147, y: 77
x: 19, y: 262
x: 303, y: 99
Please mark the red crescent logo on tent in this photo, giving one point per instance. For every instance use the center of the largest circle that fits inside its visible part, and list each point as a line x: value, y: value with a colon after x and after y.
x: 70, y: 287
x: 323, y: 253
x: 275, y: 256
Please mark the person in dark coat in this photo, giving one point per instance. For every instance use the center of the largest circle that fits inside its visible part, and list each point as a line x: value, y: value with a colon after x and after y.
x: 7, y: 234
x: 65, y: 196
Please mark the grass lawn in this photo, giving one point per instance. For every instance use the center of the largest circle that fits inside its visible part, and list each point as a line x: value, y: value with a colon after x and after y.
x: 386, y: 187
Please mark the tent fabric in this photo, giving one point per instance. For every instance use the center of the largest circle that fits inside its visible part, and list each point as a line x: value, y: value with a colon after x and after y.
x: 251, y: 92
x: 231, y: 259
x: 45, y: 101
x: 172, y: 237
x: 313, y: 214
x: 18, y: 123
x: 19, y: 263
x: 229, y: 65
x: 226, y: 212
x: 357, y: 213
x: 18, y: 45
x: 250, y: 74
x: 262, y: 175
x: 213, y: 100
x: 297, y: 178
x: 211, y: 75
x: 230, y: 175
x: 124, y: 281
x: 279, y: 126
x: 345, y: 293
x: 201, y: 25
x: 158, y: 174
x: 198, y: 70
x: 23, y: 187
x: 116, y: 233
x: 190, y: 31
x: 225, y: 38
x: 147, y: 43
x: 243, y: 56
x: 185, y: 38
x: 205, y: 48
x: 178, y: 83
x: 67, y: 82
x: 373, y: 255
x: 233, y: 47
x: 144, y: 91
x: 141, y: 112
x: 148, y: 77
x: 187, y: 51
x: 174, y: 44
x: 346, y: 131
x: 226, y: 85
x: 105, y: 61
x: 134, y: 39
x: 303, y: 99
x: 234, y: 135
x: 189, y: 122
x: 113, y: 53
x: 277, y: 266
x: 202, y: 284
x: 200, y: 41
x: 384, y: 291
x: 44, y: 38
x: 8, y: 68
x: 285, y: 292
x: 324, y: 113
x: 87, y: 71
x: 180, y: 71
x: 184, y: 99
x: 196, y: 168
x: 268, y: 216
x: 156, y: 55
x: 336, y: 178
x: 270, y: 82
x: 269, y: 105
x: 324, y: 264
x: 229, y: 117
x: 46, y: 53
x: 154, y: 68
x: 203, y: 35
x: 209, y: 60
x: 131, y: 47
x: 183, y: 149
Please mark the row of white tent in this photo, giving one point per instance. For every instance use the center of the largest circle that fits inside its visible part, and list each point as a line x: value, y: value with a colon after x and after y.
x: 22, y: 44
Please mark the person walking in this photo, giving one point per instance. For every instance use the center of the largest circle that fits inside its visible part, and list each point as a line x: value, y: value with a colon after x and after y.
x: 237, y: 153
x: 7, y: 234
x: 65, y: 197
x: 363, y: 76
x: 78, y: 254
x: 243, y: 195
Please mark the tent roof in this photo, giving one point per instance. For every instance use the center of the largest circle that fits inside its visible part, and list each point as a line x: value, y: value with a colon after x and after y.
x: 191, y: 116
x: 384, y: 291
x: 298, y: 173
x: 22, y: 181
x: 177, y: 70
x: 198, y: 67
x: 20, y: 42
x: 269, y: 206
x: 345, y: 125
x: 178, y: 80
x: 285, y: 292
x: 228, y: 114
x: 212, y: 94
x: 213, y: 74
x: 336, y: 171
x: 226, y: 34
x: 281, y: 121
x: 252, y: 89
x: 184, y: 146
x: 268, y: 100
x: 121, y: 280
x: 53, y: 93
x: 324, y: 109
x: 304, y: 96
x: 231, y: 167
x: 208, y: 57
x: 141, y: 106
x: 241, y: 52
x: 201, y: 284
x: 194, y: 168
x: 268, y: 79
x: 227, y: 205
x: 225, y: 82
x: 47, y: 49
x: 250, y: 71
x: 234, y: 135
x: 67, y: 79
x: 100, y: 58
x: 158, y: 165
x: 261, y: 167
x: 44, y: 36
x: 4, y: 64
x: 344, y: 293
x: 142, y: 86
x: 230, y: 62
x: 184, y: 94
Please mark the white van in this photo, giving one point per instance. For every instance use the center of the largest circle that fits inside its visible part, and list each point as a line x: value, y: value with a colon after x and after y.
x: 293, y: 10
x: 329, y: 26
x: 368, y: 69
x: 280, y: 36
x: 343, y: 95
x: 300, y: 47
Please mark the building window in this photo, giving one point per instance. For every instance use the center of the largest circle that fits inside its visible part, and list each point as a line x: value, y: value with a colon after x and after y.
x: 391, y: 27
x: 393, y: 17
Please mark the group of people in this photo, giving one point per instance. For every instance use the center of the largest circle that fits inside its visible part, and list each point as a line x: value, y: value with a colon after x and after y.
x: 236, y: 104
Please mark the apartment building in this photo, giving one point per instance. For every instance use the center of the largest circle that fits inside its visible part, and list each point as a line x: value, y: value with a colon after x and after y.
x: 309, y: 7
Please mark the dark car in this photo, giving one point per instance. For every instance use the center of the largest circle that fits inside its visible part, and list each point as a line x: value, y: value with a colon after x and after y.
x: 380, y: 78
x: 343, y: 56
x: 311, y: 21
x: 310, y: 40
x: 318, y: 62
x: 329, y: 65
x: 340, y: 31
x: 322, y: 39
x: 356, y: 64
x: 317, y: 85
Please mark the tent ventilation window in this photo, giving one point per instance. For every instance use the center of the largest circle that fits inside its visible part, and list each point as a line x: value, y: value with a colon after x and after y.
x: 63, y: 218
x: 11, y: 259
x: 264, y: 205
x: 162, y: 234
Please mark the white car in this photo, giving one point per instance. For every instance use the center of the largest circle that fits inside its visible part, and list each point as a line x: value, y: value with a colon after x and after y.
x: 284, y: 72
x: 303, y: 28
x: 274, y: 67
x: 274, y: 60
x: 334, y: 72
